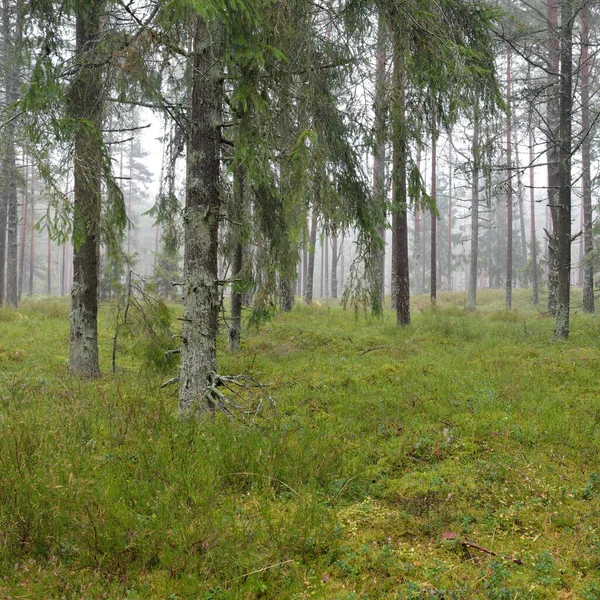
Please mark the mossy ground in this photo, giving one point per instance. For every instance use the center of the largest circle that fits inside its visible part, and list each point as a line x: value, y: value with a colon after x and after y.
x: 383, y: 440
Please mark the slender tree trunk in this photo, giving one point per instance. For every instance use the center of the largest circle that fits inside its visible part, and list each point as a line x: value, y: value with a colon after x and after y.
x: 321, y: 272
x: 400, y: 204
x: 32, y: 234
x: 12, y: 39
x: 553, y: 111
x: 87, y: 105
x: 235, y: 321
x: 588, y: 240
x: 201, y: 221
x: 449, y: 274
x: 433, y: 266
x: 472, y: 290
x: 334, y: 262
x: 308, y: 295
x: 326, y: 265
x: 561, y: 326
x: 509, y: 193
x: 49, y: 272
x: 129, y: 197
x: 379, y: 157
x: 24, y: 223
x: 534, y: 269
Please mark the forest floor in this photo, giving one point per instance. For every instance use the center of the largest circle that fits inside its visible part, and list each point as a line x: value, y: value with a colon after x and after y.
x: 391, y: 459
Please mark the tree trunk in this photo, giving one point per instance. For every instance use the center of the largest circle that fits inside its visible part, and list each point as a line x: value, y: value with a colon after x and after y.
x: 534, y: 269
x: 334, y: 262
x: 24, y: 230
x: 509, y: 189
x: 400, y: 204
x: 326, y: 261
x: 552, y: 149
x: 379, y: 157
x: 235, y: 321
x: 86, y: 104
x: 201, y: 222
x: 32, y: 235
x: 433, y: 265
x: 310, y: 272
x: 472, y: 290
x: 449, y: 274
x: 588, y: 243
x: 563, y: 222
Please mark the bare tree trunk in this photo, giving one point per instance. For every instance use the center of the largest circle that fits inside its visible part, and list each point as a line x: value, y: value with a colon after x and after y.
x: 32, y: 234
x: 310, y: 273
x: 24, y: 223
x: 509, y: 193
x: 334, y: 262
x: 321, y: 272
x: 326, y: 261
x: 379, y: 157
x: 87, y: 105
x: 563, y: 222
x: 552, y: 150
x: 433, y: 266
x: 472, y: 290
x: 449, y: 273
x: 400, y: 204
x: 201, y: 221
x: 534, y: 268
x: 235, y: 321
x: 588, y: 240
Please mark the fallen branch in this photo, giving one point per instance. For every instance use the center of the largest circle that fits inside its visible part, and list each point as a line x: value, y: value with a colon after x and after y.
x: 373, y: 349
x: 450, y: 535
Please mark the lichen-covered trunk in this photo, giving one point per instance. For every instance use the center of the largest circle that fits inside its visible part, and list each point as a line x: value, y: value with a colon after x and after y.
x: 563, y: 221
x: 400, y: 204
x: 473, y: 259
x: 201, y: 221
x: 86, y: 105
x: 588, y: 243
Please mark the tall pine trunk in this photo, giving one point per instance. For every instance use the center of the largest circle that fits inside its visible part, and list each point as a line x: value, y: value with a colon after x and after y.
x: 588, y: 243
x: 433, y: 264
x: 235, y: 321
x: 552, y: 118
x: 563, y: 221
x: 472, y: 289
x: 87, y: 106
x: 201, y: 221
x: 534, y: 266
x: 310, y: 271
x: 401, y: 280
x: 509, y: 189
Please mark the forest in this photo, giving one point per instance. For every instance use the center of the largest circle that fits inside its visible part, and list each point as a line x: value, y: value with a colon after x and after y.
x: 297, y: 299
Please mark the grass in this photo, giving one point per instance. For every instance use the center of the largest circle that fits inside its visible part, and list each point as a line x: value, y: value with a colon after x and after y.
x: 383, y: 440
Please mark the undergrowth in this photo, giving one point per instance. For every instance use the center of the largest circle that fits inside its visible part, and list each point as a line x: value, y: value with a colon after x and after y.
x: 383, y: 442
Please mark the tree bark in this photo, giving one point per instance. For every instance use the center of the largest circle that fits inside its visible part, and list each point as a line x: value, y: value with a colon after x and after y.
x: 24, y: 230
x: 509, y: 188
x: 87, y: 106
x: 433, y: 264
x: 588, y: 241
x: 235, y: 320
x: 472, y: 290
x: 534, y: 269
x: 552, y: 149
x: 449, y: 273
x: 399, y: 201
x: 310, y: 271
x: 334, y: 262
x: 201, y: 221
x: 32, y: 235
x: 9, y: 166
x: 563, y: 222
